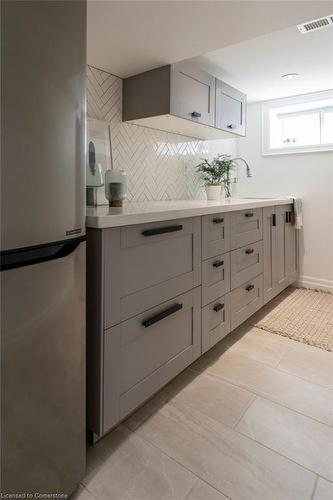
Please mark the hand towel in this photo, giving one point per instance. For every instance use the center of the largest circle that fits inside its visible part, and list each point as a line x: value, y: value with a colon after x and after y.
x: 298, y: 212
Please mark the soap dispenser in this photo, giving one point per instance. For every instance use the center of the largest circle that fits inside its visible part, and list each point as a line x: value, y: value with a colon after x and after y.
x: 94, y: 178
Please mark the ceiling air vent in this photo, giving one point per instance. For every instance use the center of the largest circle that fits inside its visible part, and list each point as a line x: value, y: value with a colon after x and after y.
x: 316, y: 24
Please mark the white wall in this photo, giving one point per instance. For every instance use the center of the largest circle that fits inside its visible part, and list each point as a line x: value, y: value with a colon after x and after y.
x: 309, y: 176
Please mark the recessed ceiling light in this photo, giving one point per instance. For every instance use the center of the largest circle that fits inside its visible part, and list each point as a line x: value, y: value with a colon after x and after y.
x: 290, y: 76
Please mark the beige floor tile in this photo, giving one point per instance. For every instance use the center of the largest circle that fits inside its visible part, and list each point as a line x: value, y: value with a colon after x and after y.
x: 310, y: 363
x: 127, y: 467
x: 202, y: 491
x: 258, y: 344
x: 295, y: 436
x: 233, y: 464
x: 271, y: 383
x: 82, y: 494
x: 215, y: 398
x: 324, y: 490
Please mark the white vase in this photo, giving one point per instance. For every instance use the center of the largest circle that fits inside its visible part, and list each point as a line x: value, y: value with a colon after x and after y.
x: 214, y: 192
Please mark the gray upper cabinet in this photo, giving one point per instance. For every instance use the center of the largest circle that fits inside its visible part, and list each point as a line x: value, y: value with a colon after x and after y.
x: 192, y: 93
x: 230, y: 109
x: 180, y: 98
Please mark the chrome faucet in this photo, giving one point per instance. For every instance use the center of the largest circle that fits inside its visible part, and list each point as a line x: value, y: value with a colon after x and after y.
x: 228, y: 181
x: 248, y: 171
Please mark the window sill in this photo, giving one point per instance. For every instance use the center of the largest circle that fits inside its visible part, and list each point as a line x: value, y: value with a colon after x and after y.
x: 303, y: 150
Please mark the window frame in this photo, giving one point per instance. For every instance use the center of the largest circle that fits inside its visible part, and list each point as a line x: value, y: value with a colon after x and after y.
x: 276, y: 103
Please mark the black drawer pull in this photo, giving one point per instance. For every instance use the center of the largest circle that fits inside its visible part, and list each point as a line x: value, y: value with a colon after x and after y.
x: 218, y: 263
x: 218, y: 307
x: 248, y: 214
x: 196, y: 114
x: 248, y: 251
x: 231, y: 126
x: 162, y: 230
x: 218, y: 221
x: 162, y: 315
x: 249, y: 288
x: 273, y: 220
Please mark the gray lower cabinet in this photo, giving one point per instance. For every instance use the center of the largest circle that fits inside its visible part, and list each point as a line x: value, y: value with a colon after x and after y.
x: 215, y: 277
x: 280, y: 250
x: 215, y: 322
x: 158, y: 296
x: 246, y: 300
x: 245, y: 227
x: 145, y: 352
x: 147, y: 264
x: 246, y: 263
x: 215, y: 235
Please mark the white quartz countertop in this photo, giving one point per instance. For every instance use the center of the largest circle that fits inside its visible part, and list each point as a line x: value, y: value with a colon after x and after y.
x: 153, y: 211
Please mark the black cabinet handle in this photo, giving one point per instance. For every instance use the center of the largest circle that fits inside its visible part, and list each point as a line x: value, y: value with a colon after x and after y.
x: 162, y: 315
x: 248, y: 214
x: 162, y: 230
x: 218, y: 220
x: 218, y: 307
x: 231, y: 126
x: 249, y: 288
x: 218, y: 263
x: 248, y: 251
x: 274, y: 220
x: 287, y: 217
x: 195, y: 114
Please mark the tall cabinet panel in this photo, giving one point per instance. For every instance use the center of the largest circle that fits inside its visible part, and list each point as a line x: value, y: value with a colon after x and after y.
x: 280, y: 250
x: 269, y: 237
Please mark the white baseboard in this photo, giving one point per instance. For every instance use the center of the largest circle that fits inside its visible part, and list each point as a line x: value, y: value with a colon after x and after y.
x: 315, y: 283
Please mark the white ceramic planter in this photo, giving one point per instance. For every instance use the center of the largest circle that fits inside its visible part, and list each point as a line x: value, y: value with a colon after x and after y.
x: 214, y: 192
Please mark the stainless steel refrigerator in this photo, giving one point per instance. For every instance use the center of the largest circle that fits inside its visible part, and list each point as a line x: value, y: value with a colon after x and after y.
x: 43, y: 66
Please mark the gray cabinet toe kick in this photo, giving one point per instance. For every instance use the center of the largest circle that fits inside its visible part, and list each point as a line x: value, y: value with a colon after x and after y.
x: 161, y: 294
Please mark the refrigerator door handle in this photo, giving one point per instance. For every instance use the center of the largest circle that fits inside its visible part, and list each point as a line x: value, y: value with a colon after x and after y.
x: 12, y: 259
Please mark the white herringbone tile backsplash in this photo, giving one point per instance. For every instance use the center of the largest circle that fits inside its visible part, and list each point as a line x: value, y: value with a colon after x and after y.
x: 159, y: 165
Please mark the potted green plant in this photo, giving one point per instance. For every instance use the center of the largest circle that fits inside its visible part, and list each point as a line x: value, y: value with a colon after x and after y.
x: 216, y: 175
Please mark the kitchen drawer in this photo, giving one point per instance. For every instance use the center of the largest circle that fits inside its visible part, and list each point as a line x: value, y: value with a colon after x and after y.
x: 215, y: 234
x: 215, y: 322
x: 246, y: 263
x: 245, y: 227
x: 246, y: 300
x: 147, y: 264
x: 145, y: 352
x: 215, y: 277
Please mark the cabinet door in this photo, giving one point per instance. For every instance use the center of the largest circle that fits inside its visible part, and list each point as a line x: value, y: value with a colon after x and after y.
x: 245, y: 227
x: 145, y: 352
x: 269, y: 237
x: 215, y: 235
x: 215, y: 322
x: 280, y: 268
x: 192, y: 93
x: 280, y: 250
x: 230, y: 109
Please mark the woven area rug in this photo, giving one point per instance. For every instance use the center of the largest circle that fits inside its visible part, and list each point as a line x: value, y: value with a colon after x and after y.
x: 300, y: 314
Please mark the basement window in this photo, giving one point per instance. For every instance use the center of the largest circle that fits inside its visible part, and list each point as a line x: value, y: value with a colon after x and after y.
x: 300, y: 124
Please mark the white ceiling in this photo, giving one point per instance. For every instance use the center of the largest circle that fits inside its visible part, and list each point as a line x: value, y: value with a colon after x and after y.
x: 127, y: 37
x: 256, y: 66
